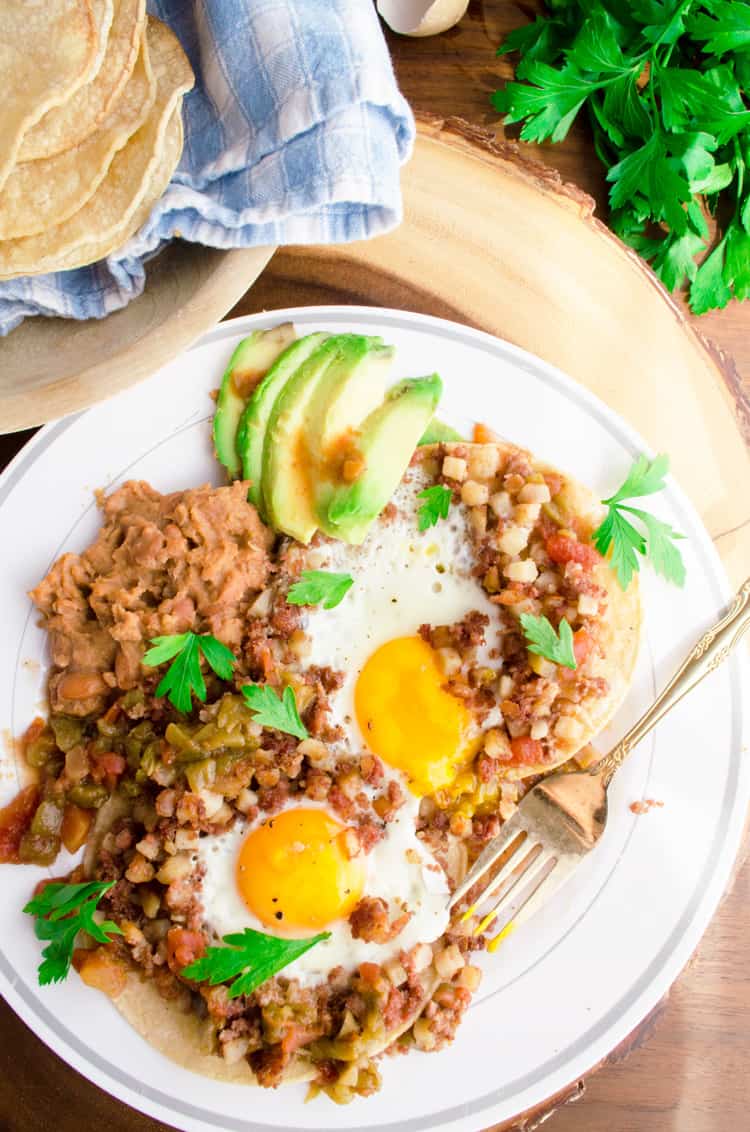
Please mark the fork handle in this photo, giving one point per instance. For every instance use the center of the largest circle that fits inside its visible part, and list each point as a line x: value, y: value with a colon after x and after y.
x: 710, y: 651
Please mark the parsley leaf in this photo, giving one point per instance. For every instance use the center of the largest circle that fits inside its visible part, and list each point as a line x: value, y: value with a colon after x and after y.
x: 184, y: 676
x: 627, y: 542
x: 272, y: 710
x: 710, y: 289
x: 320, y: 587
x: 666, y: 85
x: 62, y: 911
x: 544, y: 641
x: 250, y: 958
x: 436, y: 506
x: 551, y: 104
x: 725, y: 28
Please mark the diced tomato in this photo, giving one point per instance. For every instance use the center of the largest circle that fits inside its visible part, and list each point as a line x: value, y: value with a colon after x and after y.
x: 40, y: 886
x: 296, y: 1035
x: 15, y: 819
x: 32, y: 732
x: 483, y: 434
x: 526, y: 751
x: 583, y: 643
x: 107, y: 766
x: 563, y: 549
x: 183, y: 948
x: 370, y: 972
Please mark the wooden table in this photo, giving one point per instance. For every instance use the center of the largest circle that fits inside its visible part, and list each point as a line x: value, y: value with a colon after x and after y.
x: 686, y: 1068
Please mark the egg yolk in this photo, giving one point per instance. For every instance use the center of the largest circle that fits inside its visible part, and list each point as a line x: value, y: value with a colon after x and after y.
x: 407, y: 717
x: 294, y: 872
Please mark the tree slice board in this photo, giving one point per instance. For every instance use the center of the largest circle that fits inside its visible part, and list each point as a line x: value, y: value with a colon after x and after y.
x: 499, y: 242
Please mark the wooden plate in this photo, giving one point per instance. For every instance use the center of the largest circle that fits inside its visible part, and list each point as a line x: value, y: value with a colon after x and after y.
x: 52, y: 366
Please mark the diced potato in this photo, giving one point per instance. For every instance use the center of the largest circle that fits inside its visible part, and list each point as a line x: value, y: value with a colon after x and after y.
x: 423, y: 1035
x: 395, y: 972
x: 211, y: 800
x: 421, y: 956
x: 513, y: 540
x: 234, y: 1050
x: 568, y: 728
x: 149, y: 847
x: 454, y: 468
x: 315, y: 751
x: 497, y: 744
x: 186, y: 840
x: 539, y: 729
x: 469, y: 977
x: 175, y: 868
x: 534, y: 493
x: 501, y: 504
x: 588, y: 605
x: 474, y: 494
x: 525, y: 571
x: 484, y: 462
x: 449, y: 661
x: 527, y: 513
x: 139, y: 871
x: 245, y: 800
x: 478, y: 520
x: 449, y: 961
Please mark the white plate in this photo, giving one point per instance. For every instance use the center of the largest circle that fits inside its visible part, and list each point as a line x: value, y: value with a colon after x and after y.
x: 568, y: 986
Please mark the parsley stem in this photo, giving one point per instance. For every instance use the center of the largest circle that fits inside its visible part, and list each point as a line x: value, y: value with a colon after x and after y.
x: 740, y: 174
x: 667, y: 30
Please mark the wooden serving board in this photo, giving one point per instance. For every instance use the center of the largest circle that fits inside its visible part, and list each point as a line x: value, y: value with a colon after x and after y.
x: 498, y: 242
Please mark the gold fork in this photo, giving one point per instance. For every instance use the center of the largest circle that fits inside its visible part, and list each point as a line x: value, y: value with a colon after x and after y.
x: 563, y: 816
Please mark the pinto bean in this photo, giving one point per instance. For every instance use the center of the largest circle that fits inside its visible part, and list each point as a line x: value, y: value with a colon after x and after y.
x: 81, y: 685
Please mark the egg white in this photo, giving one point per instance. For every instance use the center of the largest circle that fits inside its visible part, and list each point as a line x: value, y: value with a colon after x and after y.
x: 403, y: 578
x: 418, y: 885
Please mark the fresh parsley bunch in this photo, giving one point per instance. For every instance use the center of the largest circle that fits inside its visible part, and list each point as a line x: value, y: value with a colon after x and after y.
x: 664, y: 83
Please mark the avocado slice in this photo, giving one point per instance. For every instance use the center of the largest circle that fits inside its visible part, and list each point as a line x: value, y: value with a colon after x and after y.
x: 386, y: 443
x: 437, y: 432
x: 251, y: 430
x: 247, y: 364
x: 343, y: 397
x: 289, y: 464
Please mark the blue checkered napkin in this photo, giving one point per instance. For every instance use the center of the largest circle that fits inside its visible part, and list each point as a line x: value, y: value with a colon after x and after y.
x: 294, y: 134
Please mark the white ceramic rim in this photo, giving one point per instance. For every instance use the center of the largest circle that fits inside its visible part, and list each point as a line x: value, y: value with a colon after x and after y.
x: 588, y: 1050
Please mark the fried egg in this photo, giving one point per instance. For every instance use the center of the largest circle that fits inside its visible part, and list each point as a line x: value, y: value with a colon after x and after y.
x: 290, y: 875
x: 393, y: 701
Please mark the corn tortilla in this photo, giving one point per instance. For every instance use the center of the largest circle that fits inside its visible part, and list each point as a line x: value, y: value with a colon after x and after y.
x: 46, y: 52
x: 620, y: 624
x: 39, y: 194
x: 138, y: 175
x: 189, y: 1041
x: 76, y: 119
x: 183, y: 1036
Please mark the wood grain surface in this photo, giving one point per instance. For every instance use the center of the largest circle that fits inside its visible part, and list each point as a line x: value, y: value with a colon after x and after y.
x: 685, y: 1070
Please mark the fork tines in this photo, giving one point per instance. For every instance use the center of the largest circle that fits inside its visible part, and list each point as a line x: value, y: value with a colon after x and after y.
x: 523, y: 864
